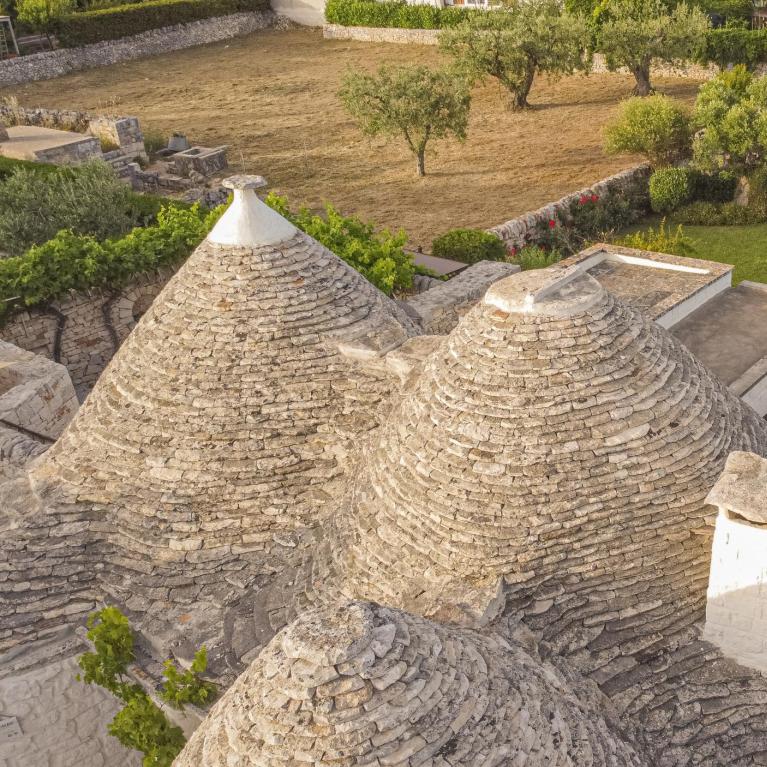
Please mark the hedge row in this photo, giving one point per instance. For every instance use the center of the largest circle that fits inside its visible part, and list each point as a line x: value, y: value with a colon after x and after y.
x: 394, y: 13
x: 125, y: 20
x: 735, y: 46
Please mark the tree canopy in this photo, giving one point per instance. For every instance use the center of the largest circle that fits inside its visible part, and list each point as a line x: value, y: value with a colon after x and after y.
x: 638, y: 31
x: 414, y: 102
x: 515, y: 43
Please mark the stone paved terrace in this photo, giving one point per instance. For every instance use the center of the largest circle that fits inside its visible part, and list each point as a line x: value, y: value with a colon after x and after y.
x: 727, y: 335
x: 666, y: 288
x: 32, y: 142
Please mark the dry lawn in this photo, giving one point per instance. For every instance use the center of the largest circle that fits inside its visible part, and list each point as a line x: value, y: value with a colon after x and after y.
x: 271, y: 97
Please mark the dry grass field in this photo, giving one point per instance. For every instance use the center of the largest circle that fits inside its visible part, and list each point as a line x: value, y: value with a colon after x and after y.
x: 271, y: 97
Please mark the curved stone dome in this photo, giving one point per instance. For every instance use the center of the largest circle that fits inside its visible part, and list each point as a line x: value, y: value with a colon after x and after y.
x: 358, y: 684
x: 224, y: 418
x: 556, y: 440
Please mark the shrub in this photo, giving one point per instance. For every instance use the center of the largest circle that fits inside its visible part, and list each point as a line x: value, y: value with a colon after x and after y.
x: 734, y: 46
x: 182, y: 687
x: 8, y: 166
x: 414, y: 103
x: 123, y: 20
x: 34, y: 206
x: 713, y: 187
x: 655, y: 127
x: 731, y: 110
x: 371, y: 13
x: 43, y: 16
x: 76, y: 262
x: 660, y: 240
x: 670, y: 188
x: 535, y: 257
x: 723, y: 214
x: 378, y: 256
x: 469, y: 246
x: 588, y: 218
x: 757, y: 194
x: 141, y: 725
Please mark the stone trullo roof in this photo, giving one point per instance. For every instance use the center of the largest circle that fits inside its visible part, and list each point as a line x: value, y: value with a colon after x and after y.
x: 556, y: 439
x: 224, y: 421
x: 360, y: 684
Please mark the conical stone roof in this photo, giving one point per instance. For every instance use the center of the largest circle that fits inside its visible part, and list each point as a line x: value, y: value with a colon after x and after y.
x: 358, y: 684
x: 224, y: 419
x: 558, y: 446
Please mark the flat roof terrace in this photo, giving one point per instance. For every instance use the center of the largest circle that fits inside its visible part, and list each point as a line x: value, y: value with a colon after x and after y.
x: 664, y: 287
x: 31, y: 142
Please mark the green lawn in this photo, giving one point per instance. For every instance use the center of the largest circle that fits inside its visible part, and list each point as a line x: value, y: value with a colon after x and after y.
x: 745, y: 247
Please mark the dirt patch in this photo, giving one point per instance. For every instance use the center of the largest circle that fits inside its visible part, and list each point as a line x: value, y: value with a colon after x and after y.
x: 271, y: 97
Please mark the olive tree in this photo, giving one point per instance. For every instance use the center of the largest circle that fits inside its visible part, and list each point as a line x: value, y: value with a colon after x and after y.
x: 731, y: 111
x: 414, y: 102
x: 516, y: 43
x: 43, y: 15
x: 638, y: 31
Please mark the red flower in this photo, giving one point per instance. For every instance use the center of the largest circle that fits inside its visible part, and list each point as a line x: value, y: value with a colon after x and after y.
x: 513, y: 250
x: 552, y: 223
x: 583, y: 200
x: 594, y: 197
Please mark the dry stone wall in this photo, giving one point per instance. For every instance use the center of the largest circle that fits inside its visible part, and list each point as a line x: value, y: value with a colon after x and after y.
x: 83, y: 331
x: 43, y: 66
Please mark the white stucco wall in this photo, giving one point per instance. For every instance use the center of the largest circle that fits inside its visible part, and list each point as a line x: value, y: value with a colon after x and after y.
x: 310, y: 13
x: 736, y: 610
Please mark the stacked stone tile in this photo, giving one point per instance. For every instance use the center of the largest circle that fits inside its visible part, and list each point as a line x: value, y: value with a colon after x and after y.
x: 225, y: 421
x: 359, y: 684
x: 552, y: 461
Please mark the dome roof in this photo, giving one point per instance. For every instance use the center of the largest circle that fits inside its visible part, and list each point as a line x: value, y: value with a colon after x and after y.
x: 359, y: 684
x: 223, y: 417
x: 557, y: 440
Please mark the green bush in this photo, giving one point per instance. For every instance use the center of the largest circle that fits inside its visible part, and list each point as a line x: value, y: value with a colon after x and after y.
x: 37, y: 201
x: 732, y: 10
x: 660, y: 240
x: 469, y: 246
x: 723, y: 214
x: 535, y: 257
x: 735, y: 46
x: 714, y: 187
x: 182, y: 687
x: 757, y: 194
x: 654, y: 126
x: 378, y: 256
x: 123, y: 20
x: 393, y: 13
x: 78, y: 262
x: 8, y: 166
x: 670, y: 188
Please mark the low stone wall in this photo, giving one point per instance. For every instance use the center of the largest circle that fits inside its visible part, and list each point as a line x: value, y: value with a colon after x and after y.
x: 83, y: 331
x: 43, y: 66
x: 124, y: 132
x: 520, y: 231
x: 381, y: 34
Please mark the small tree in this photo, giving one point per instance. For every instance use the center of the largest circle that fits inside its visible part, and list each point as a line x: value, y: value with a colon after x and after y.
x: 43, y: 15
x: 638, y: 31
x: 415, y: 102
x: 515, y: 44
x: 655, y: 127
x: 731, y: 110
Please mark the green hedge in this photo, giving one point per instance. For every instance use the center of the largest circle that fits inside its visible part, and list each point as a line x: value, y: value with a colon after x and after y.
x: 78, y: 262
x: 124, y: 20
x: 370, y: 13
x: 735, y: 46
x: 469, y: 246
x: 8, y: 165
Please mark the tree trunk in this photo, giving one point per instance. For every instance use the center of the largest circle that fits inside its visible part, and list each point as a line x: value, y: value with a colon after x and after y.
x: 642, y: 76
x: 421, y: 159
x: 520, y: 96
